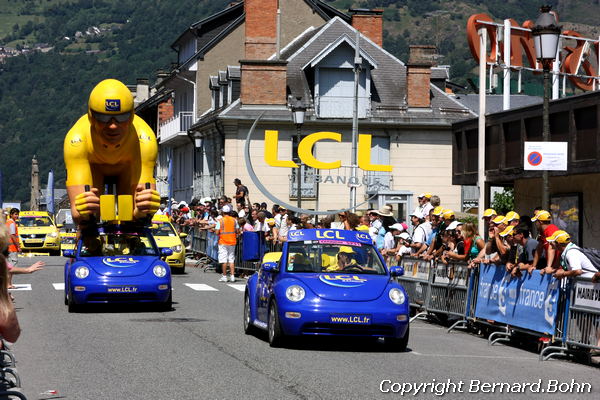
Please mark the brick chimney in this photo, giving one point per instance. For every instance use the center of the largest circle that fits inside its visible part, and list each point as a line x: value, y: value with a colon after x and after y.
x: 166, y: 110
x: 261, y: 28
x: 420, y: 61
x: 369, y: 23
x: 263, y: 82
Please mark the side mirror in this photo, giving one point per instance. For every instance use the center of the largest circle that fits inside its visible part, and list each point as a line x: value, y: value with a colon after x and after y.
x: 166, y: 251
x: 396, y: 271
x: 182, y: 235
x: 68, y: 253
x: 269, y: 267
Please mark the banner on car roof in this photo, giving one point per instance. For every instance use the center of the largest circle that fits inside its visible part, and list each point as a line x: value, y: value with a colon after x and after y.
x: 529, y: 302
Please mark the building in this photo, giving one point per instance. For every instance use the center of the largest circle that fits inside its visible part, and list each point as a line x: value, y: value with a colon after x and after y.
x: 237, y: 65
x: 574, y: 120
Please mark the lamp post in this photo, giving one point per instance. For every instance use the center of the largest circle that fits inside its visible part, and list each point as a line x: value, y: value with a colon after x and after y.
x: 546, y: 34
x: 298, y: 112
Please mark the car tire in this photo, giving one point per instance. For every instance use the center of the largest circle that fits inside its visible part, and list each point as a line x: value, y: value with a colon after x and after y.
x: 66, y: 299
x: 398, y: 344
x: 275, y: 333
x: 178, y: 271
x: 72, y: 306
x: 249, y: 328
x: 168, y: 304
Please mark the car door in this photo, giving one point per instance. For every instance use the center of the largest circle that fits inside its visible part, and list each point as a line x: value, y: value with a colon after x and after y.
x: 264, y: 290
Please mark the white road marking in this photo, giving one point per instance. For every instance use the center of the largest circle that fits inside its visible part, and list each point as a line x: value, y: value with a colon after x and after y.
x: 59, y: 286
x: 22, y: 286
x: 241, y: 288
x: 201, y: 287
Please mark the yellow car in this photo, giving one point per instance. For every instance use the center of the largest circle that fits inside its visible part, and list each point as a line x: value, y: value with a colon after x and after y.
x: 166, y: 236
x: 38, y: 232
x: 68, y: 240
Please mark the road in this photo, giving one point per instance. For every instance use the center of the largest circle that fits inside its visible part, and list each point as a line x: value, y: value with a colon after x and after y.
x: 199, y: 351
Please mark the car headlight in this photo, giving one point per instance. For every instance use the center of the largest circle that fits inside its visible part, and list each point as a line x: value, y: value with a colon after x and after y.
x: 295, y: 293
x: 176, y: 249
x: 397, y: 296
x: 82, y: 272
x: 53, y: 234
x: 159, y: 271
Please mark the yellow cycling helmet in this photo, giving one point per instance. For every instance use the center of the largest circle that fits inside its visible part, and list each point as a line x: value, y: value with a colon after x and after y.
x: 110, y: 97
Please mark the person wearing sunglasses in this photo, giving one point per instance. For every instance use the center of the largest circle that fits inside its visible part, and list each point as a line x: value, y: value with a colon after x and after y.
x: 110, y: 145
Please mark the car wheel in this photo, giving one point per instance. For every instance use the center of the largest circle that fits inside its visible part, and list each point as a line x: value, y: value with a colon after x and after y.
x: 398, y: 344
x: 72, y: 306
x: 249, y: 329
x: 276, y: 336
x: 66, y: 300
x: 178, y: 271
x: 168, y: 304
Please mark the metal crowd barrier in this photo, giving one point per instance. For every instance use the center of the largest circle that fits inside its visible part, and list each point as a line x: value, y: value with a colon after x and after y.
x: 9, y: 378
x: 204, y: 248
x: 580, y: 321
x: 417, y: 283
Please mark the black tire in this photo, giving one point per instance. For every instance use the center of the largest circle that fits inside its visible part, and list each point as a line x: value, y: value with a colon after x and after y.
x: 249, y: 328
x: 167, y: 305
x: 398, y: 344
x: 66, y: 300
x: 72, y: 306
x: 178, y: 271
x: 275, y: 333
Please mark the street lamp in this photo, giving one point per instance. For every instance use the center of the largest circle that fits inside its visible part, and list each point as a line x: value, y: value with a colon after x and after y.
x: 298, y: 112
x: 546, y: 34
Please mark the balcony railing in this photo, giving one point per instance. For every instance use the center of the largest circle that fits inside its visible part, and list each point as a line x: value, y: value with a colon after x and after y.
x: 176, y: 126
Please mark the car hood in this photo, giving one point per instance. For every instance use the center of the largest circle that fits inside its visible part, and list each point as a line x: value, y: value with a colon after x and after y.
x: 345, y: 287
x: 120, y: 266
x: 167, y: 241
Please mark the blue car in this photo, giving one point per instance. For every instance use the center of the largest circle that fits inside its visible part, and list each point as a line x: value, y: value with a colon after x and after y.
x: 117, y: 264
x: 327, y: 282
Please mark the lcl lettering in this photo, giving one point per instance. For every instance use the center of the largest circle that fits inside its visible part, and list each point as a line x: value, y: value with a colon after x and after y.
x: 305, y: 152
x: 329, y: 235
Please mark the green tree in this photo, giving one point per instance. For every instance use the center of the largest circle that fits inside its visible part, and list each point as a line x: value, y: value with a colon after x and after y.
x: 505, y: 201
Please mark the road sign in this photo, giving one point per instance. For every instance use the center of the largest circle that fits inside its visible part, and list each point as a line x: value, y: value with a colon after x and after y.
x: 546, y: 156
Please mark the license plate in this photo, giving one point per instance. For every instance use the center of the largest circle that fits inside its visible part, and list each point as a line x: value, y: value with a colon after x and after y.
x: 350, y: 319
x: 34, y: 241
x: 122, y: 289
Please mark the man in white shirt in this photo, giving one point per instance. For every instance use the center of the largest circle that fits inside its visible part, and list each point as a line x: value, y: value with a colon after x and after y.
x: 572, y: 261
x: 424, y: 206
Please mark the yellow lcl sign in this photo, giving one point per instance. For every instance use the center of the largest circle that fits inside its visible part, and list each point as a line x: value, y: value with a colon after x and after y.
x: 306, y: 154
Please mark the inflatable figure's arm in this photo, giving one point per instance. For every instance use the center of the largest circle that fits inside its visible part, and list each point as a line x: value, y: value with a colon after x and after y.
x: 147, y: 199
x: 84, y: 200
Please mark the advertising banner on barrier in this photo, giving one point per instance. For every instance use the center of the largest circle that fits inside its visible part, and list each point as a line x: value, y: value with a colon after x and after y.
x: 587, y: 294
x: 529, y: 302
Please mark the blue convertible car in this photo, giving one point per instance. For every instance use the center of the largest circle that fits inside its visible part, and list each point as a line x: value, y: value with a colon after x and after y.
x: 327, y: 282
x: 117, y: 264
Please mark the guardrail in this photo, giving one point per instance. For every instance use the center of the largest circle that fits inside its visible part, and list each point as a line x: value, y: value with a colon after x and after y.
x: 9, y: 377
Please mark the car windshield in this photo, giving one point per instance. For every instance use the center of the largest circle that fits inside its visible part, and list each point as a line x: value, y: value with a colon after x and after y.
x: 163, y: 229
x: 117, y: 244
x: 317, y: 256
x: 68, y: 240
x: 29, y: 222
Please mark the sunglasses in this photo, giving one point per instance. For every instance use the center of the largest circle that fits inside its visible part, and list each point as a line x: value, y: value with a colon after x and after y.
x: 105, y: 118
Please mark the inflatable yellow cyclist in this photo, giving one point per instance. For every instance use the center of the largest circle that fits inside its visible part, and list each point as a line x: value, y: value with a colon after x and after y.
x: 110, y: 144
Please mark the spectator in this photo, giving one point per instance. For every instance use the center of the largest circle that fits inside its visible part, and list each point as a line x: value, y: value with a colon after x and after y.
x: 162, y: 209
x: 241, y: 192
x: 420, y: 235
x: 283, y: 226
x: 14, y: 247
x: 512, y: 218
x: 260, y: 225
x: 404, y: 249
x: 438, y: 226
x: 525, y: 251
x: 509, y: 257
x: 306, y: 222
x: 545, y: 255
x: 422, y: 210
x: 435, y: 201
x: 9, y: 324
x: 473, y: 242
x: 456, y: 249
x: 363, y: 224
x: 227, y: 229
x: 263, y: 208
x: 488, y: 216
x: 572, y: 261
x: 246, y: 227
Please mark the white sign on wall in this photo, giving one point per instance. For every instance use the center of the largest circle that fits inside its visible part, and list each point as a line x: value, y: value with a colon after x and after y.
x: 546, y: 156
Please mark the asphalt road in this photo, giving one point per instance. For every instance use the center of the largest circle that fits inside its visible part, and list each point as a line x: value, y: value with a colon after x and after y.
x: 199, y: 351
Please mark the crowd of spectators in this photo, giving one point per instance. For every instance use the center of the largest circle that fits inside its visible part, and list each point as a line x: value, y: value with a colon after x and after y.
x: 434, y: 233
